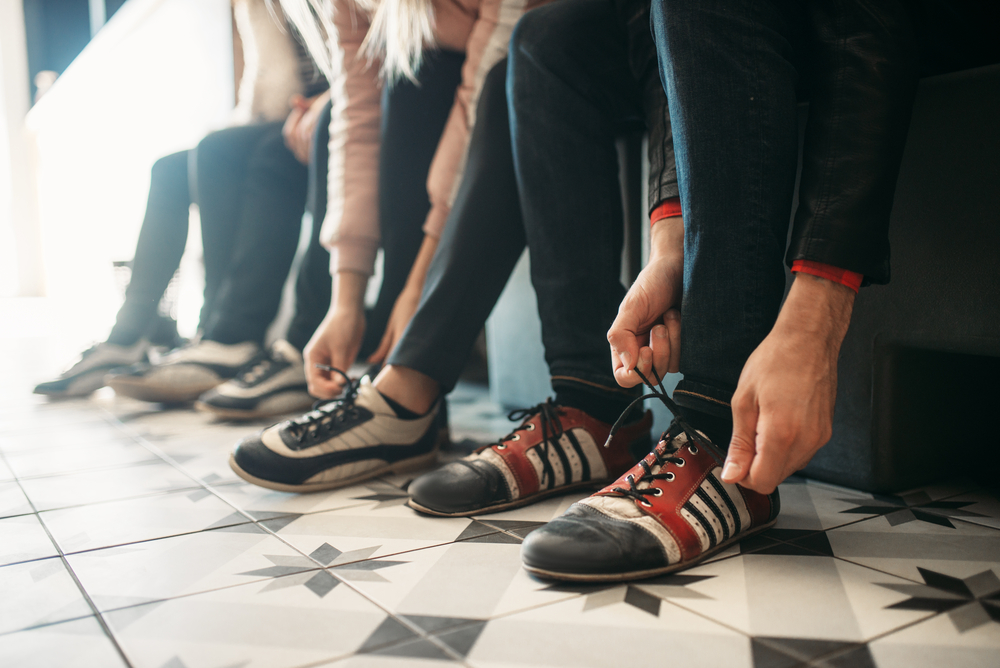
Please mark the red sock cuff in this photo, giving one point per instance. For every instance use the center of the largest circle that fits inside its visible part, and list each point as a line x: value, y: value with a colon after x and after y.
x: 851, y: 279
x: 668, y: 208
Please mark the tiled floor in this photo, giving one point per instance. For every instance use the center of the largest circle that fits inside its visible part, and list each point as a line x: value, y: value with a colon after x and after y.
x: 126, y: 540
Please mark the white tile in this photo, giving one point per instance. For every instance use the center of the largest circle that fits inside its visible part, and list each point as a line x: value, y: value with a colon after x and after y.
x: 107, y: 485
x: 80, y: 643
x: 938, y: 642
x: 274, y: 623
x: 182, y: 565
x: 71, y: 459
x: 130, y: 520
x: 12, y: 500
x: 38, y: 592
x: 23, y: 538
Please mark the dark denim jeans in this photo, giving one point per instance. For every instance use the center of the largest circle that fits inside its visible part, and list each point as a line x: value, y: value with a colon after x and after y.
x: 728, y: 69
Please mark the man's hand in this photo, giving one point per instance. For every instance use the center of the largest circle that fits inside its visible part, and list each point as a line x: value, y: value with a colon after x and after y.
x: 647, y: 332
x: 783, y: 405
x: 337, y: 340
x: 301, y: 124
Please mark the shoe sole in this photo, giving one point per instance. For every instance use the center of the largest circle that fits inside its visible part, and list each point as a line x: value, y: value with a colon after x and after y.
x: 237, y: 414
x: 510, y: 505
x: 402, y: 466
x: 157, y: 395
x: 649, y: 572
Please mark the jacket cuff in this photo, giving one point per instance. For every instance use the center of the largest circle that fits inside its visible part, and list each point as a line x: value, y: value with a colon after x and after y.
x: 353, y: 255
x: 851, y: 279
x: 668, y: 208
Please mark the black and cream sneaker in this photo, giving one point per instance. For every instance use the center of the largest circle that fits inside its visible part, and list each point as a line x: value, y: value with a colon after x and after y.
x: 88, y: 374
x: 183, y: 374
x: 272, y: 383
x: 342, y: 442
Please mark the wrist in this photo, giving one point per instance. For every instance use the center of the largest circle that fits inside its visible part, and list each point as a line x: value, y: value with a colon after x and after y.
x: 348, y: 292
x: 817, y: 308
x: 666, y: 239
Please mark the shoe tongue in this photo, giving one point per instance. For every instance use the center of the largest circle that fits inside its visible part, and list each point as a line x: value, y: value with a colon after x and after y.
x: 286, y: 352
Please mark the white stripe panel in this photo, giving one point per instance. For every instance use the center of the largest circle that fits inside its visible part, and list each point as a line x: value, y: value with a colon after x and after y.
x: 347, y: 470
x: 699, y: 530
x: 710, y: 517
x: 727, y: 515
x: 558, y: 470
x: 623, y: 509
x: 499, y: 464
x: 536, y: 462
x: 575, y: 465
x: 737, y: 498
x: 592, y: 450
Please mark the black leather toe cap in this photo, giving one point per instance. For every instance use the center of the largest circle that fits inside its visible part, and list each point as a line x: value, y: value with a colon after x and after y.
x: 584, y: 541
x: 460, y: 487
x: 255, y: 458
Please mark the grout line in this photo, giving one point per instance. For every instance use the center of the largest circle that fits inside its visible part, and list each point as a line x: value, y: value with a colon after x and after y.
x: 69, y: 569
x: 170, y: 460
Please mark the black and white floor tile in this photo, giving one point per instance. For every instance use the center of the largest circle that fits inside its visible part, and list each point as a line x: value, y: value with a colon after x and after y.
x: 125, y: 540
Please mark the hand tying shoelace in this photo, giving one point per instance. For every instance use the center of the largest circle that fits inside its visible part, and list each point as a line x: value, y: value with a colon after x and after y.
x: 327, y: 413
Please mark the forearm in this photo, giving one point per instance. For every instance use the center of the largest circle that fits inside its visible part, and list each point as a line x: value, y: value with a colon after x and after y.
x: 666, y: 239
x: 348, y: 291
x: 818, y: 308
x: 418, y: 273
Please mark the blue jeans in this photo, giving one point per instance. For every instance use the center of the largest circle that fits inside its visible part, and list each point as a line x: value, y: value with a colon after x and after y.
x: 730, y: 75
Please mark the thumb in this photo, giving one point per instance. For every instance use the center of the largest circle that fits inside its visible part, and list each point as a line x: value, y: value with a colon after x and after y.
x: 742, y: 447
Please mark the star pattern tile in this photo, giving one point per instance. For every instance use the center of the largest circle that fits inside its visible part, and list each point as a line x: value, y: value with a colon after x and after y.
x: 913, y: 507
x: 969, y: 602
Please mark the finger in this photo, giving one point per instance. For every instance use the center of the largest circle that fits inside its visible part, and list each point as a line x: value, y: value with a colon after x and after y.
x: 672, y: 321
x: 659, y: 343
x: 743, y: 445
x: 624, y: 353
x: 645, y: 363
x: 768, y: 467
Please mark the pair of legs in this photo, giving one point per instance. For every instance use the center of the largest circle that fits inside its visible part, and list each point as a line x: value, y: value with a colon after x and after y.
x: 251, y: 194
x: 413, y: 118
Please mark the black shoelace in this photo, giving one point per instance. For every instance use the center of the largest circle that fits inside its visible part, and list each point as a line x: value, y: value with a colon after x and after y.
x: 551, y: 429
x: 255, y: 369
x: 665, y: 451
x: 326, y: 415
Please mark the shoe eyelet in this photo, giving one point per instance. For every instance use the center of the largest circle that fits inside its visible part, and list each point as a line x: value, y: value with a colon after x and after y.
x: 530, y: 427
x: 657, y: 491
x: 515, y: 437
x: 670, y: 477
x: 693, y: 449
x: 501, y: 446
x: 646, y: 503
x: 681, y: 463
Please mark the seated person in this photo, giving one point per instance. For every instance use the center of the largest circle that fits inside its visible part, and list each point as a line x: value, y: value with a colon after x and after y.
x: 248, y: 159
x: 570, y: 217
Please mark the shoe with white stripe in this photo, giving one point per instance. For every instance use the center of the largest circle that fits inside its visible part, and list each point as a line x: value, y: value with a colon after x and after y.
x: 340, y: 443
x: 555, y: 450
x: 273, y: 383
x: 88, y: 374
x: 670, y: 511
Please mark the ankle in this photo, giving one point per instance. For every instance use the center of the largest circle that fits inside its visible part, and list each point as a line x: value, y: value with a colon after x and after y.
x: 414, y: 391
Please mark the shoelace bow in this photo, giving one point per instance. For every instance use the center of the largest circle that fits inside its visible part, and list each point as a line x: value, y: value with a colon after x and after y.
x: 327, y: 413
x: 551, y: 429
x: 664, y: 452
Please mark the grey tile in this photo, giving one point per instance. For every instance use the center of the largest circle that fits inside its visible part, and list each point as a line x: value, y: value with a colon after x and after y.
x: 182, y: 565
x: 80, y: 643
x: 38, y: 592
x: 130, y: 520
x: 939, y: 642
x: 23, y: 538
x: 107, y: 485
x: 250, y: 625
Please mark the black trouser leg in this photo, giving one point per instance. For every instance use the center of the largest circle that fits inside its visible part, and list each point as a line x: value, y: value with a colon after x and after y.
x: 313, y: 282
x: 482, y: 241
x: 219, y: 171
x: 158, y: 250
x: 267, y: 234
x: 572, y: 92
x: 413, y: 118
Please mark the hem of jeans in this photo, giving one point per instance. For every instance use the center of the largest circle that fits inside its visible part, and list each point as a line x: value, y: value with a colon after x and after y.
x: 592, y: 384
x: 699, y: 397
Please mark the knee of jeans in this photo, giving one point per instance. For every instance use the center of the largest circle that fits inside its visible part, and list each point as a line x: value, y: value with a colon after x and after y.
x: 533, y: 37
x: 169, y: 165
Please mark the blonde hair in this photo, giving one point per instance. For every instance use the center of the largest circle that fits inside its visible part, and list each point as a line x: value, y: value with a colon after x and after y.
x: 400, y: 32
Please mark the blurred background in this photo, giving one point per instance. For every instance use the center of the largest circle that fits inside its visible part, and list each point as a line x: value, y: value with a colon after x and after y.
x: 92, y: 93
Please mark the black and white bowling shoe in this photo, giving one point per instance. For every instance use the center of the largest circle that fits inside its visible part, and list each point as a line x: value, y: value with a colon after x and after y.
x: 273, y: 383
x: 183, y: 374
x: 88, y: 374
x: 353, y: 438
